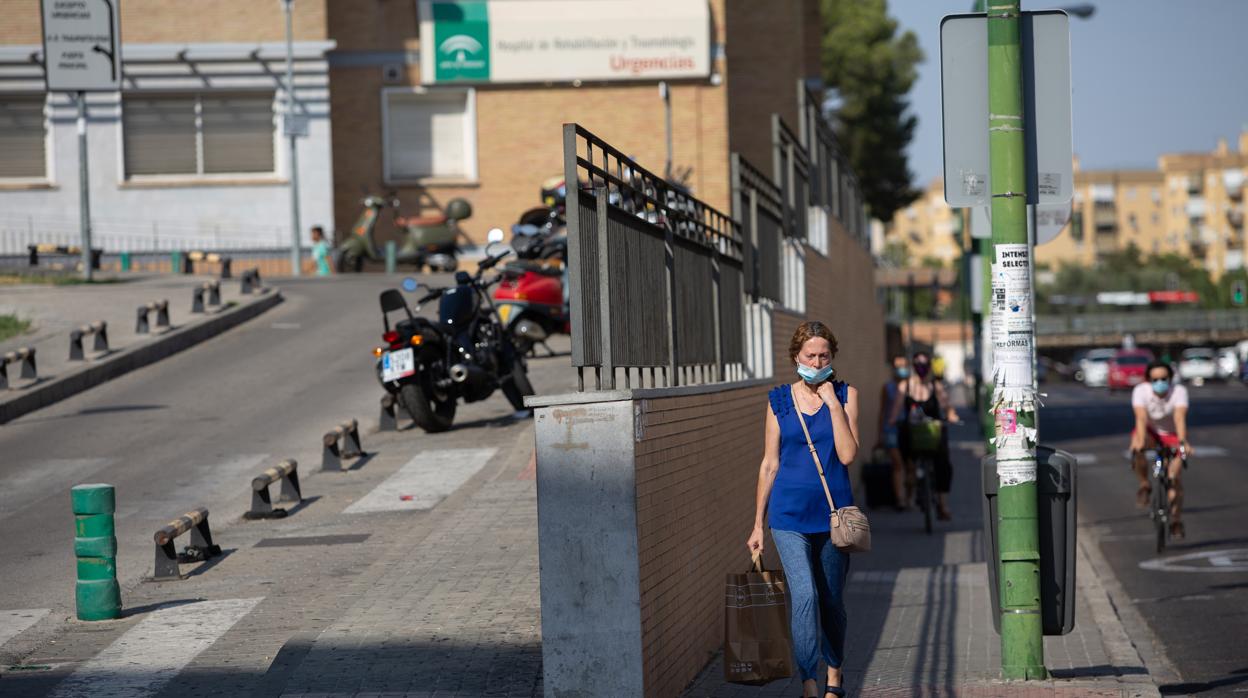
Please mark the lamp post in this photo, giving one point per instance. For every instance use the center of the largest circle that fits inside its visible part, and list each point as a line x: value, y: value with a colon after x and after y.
x: 288, y: 125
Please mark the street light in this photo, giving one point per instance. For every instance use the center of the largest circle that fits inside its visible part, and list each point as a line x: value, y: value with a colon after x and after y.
x: 289, y: 126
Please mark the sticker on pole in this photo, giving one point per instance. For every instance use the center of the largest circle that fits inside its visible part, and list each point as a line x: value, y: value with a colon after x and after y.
x: 82, y: 45
x: 1015, y: 469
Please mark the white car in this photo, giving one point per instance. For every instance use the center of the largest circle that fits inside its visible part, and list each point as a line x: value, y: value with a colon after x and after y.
x: 1198, y: 365
x: 1094, y: 368
x: 1228, y: 363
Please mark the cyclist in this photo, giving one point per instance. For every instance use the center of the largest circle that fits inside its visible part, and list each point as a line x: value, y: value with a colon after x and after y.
x: 1160, y: 409
x: 922, y: 395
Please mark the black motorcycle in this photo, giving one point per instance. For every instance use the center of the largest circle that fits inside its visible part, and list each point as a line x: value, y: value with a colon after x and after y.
x: 465, y: 354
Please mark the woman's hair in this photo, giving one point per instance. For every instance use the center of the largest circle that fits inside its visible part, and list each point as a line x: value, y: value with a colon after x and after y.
x: 923, y: 353
x: 808, y: 331
x: 1160, y: 364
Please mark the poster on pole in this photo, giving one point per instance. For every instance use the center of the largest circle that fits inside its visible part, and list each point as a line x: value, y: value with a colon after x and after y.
x: 82, y: 45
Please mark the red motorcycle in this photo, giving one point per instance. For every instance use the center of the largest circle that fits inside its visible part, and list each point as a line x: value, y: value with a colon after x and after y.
x: 532, y: 299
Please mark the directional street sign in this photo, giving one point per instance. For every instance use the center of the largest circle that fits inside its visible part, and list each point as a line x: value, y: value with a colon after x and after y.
x: 82, y: 45
x: 1046, y: 99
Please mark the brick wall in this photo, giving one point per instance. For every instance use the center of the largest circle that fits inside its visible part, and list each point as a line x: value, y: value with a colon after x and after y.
x: 179, y: 21
x: 697, y: 467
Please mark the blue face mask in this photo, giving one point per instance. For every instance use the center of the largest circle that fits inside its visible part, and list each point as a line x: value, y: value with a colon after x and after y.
x: 815, y: 375
x: 902, y: 372
x: 1161, y: 386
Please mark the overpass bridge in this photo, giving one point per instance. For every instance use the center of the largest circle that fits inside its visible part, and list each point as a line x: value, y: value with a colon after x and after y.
x: 1147, y: 327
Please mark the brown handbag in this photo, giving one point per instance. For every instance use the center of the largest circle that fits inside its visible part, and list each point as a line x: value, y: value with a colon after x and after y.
x: 847, y: 526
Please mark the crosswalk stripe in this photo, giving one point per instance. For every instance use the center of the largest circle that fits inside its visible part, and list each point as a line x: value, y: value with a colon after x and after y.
x: 14, y: 623
x: 426, y: 480
x: 152, y: 653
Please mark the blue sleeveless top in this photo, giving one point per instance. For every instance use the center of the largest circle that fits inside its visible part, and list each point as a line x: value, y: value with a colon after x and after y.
x: 797, y: 502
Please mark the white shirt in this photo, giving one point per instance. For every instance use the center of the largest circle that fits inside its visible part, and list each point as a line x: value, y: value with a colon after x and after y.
x: 1160, y: 408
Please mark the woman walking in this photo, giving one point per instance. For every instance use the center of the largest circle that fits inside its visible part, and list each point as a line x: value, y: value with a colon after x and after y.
x: 791, y: 499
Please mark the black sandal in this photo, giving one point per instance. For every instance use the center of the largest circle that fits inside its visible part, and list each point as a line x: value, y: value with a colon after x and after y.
x: 834, y: 690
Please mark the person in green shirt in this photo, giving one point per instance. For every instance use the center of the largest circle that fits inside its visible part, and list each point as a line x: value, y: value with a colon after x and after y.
x: 320, y: 251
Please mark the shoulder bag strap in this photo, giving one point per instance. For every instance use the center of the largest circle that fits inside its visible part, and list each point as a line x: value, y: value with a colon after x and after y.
x: 801, y: 419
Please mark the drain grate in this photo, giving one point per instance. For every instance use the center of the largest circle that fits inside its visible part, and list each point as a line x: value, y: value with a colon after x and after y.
x: 313, y: 540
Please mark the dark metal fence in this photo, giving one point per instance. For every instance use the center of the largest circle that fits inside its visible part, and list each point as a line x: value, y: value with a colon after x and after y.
x: 758, y: 205
x: 833, y: 184
x: 655, y: 275
x: 792, y: 172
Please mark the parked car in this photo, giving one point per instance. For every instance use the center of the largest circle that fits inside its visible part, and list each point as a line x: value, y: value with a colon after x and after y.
x: 1128, y: 368
x: 1094, y: 368
x: 1228, y: 363
x: 1197, y: 365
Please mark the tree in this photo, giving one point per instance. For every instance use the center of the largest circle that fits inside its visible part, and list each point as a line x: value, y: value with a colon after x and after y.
x: 870, y: 70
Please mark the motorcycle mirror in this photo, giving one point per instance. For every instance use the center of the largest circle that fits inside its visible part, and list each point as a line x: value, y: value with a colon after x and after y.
x: 495, y: 235
x: 410, y: 285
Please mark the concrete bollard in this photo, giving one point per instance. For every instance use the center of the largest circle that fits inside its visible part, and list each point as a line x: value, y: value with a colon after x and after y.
x: 250, y: 281
x: 161, y: 309
x: 389, y: 414
x: 26, y: 357
x: 98, y: 329
x: 261, y: 503
x: 97, y: 594
x: 349, y: 434
x: 201, y: 547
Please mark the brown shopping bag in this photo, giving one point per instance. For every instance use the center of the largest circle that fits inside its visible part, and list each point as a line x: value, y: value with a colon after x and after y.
x: 757, y: 646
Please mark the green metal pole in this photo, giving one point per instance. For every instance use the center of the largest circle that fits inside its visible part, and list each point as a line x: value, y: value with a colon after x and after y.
x: 97, y: 595
x: 1013, y: 399
x: 391, y: 255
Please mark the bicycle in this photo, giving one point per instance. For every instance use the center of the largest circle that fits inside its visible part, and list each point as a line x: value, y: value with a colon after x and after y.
x: 923, y: 447
x: 1159, y: 501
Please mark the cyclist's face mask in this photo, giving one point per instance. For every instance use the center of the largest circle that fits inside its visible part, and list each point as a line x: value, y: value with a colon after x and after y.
x: 921, y: 368
x: 902, y: 371
x: 1161, y: 386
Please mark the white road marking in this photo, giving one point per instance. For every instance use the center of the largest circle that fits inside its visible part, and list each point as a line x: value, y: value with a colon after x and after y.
x: 44, y: 478
x: 152, y: 653
x: 1232, y: 560
x: 426, y: 480
x: 190, y: 485
x: 14, y: 623
x: 285, y: 326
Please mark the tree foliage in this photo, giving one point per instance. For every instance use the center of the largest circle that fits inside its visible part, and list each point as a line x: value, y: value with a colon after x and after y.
x: 870, y: 69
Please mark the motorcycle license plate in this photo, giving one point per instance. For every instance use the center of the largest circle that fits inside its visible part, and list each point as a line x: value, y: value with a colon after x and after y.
x: 397, y: 364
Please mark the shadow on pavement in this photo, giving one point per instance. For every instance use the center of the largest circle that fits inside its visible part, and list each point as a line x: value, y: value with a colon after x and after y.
x: 1183, y: 689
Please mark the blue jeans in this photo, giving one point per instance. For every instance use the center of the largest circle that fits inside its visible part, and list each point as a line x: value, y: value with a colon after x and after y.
x: 815, y: 572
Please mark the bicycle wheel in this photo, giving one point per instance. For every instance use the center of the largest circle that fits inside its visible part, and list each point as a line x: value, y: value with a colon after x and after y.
x: 923, y: 490
x: 1161, y: 511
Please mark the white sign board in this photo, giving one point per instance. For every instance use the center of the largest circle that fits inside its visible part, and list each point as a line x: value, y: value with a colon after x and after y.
x: 82, y: 45
x: 1045, y: 68
x: 543, y: 41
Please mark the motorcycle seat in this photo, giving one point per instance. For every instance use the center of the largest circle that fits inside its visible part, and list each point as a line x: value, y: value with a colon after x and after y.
x: 544, y: 267
x: 431, y: 219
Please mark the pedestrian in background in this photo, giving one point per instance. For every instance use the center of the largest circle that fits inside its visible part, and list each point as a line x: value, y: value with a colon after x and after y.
x: 922, y: 396
x: 890, y: 436
x: 791, y: 498
x: 320, y: 251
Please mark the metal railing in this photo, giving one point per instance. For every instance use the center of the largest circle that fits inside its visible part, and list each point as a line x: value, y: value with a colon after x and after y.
x: 758, y: 206
x: 791, y: 165
x: 1142, y: 323
x: 655, y: 275
x: 18, y: 231
x: 833, y: 184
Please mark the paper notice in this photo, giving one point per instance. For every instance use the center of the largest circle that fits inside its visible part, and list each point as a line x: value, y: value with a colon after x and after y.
x: 1007, y: 421
x: 1015, y: 471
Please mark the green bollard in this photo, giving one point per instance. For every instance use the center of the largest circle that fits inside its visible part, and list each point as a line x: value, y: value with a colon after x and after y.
x: 175, y: 262
x: 98, y: 595
x: 390, y: 256
x: 125, y: 261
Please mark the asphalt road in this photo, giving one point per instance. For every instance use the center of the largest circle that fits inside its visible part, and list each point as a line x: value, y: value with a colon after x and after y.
x: 189, y: 431
x: 1193, y: 597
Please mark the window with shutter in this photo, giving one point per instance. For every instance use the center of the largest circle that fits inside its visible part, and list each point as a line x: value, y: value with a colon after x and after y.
x: 23, y: 137
x: 430, y: 135
x: 198, y: 134
x: 238, y: 133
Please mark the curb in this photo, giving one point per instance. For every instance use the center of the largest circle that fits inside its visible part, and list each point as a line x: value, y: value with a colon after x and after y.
x: 1106, y: 597
x: 130, y: 359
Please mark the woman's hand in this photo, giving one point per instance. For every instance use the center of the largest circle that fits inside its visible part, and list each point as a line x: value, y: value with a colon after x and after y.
x: 755, y: 543
x: 828, y: 394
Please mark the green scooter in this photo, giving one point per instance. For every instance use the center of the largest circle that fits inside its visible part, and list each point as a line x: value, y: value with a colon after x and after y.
x: 431, y: 240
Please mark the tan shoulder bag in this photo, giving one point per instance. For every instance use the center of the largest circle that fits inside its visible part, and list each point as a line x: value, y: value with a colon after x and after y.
x: 848, y: 526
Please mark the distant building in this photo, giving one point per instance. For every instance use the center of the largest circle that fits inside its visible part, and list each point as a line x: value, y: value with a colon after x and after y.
x: 1192, y: 205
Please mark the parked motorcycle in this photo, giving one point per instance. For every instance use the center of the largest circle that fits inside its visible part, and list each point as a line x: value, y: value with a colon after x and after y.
x: 466, y: 354
x: 431, y: 240
x: 532, y: 298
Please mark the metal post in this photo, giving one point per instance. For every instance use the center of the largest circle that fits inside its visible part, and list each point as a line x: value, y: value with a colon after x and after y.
x: 84, y: 194
x: 607, y: 361
x: 665, y: 93
x: 1013, y: 400
x: 295, y: 225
